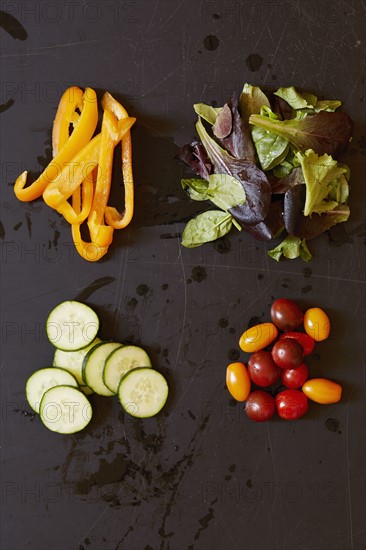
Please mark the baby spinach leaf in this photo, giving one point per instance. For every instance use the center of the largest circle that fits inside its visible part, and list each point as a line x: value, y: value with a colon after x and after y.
x: 207, y: 112
x: 323, y: 132
x: 225, y: 191
x: 291, y: 247
x: 271, y: 148
x: 206, y: 227
x: 196, y: 189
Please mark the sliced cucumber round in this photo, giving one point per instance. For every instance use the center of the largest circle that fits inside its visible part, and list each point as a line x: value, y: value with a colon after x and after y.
x: 86, y: 390
x: 143, y: 392
x: 93, y: 366
x: 120, y: 361
x: 72, y: 326
x: 65, y: 410
x: 72, y: 361
x: 44, y: 379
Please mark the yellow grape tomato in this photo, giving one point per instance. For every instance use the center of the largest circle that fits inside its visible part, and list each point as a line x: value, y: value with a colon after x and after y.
x: 322, y: 390
x: 238, y: 381
x: 317, y: 324
x: 258, y: 337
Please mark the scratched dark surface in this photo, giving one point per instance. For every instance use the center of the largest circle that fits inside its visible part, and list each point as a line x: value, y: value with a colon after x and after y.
x: 199, y: 476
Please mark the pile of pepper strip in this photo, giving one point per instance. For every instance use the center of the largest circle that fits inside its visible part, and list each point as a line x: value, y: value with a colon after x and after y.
x: 77, y: 181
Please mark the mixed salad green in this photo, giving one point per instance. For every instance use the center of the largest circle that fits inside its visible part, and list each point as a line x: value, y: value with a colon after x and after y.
x: 269, y: 164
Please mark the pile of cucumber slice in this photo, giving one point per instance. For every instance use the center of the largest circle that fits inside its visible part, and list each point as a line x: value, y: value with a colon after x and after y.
x: 84, y: 364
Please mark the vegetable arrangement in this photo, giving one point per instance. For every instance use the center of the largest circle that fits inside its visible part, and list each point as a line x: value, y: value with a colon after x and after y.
x: 77, y: 181
x: 284, y: 362
x: 84, y: 364
x: 269, y: 164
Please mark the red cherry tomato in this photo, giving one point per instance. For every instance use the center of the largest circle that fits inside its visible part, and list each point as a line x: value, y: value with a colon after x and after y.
x: 304, y: 340
x: 317, y: 324
x: 286, y: 314
x: 287, y: 353
x: 291, y: 404
x: 262, y: 370
x: 238, y: 381
x: 260, y: 406
x: 294, y: 378
x: 258, y: 337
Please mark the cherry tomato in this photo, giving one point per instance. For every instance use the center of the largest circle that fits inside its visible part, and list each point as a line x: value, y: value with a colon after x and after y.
x: 317, y: 324
x: 260, y: 406
x: 262, y: 370
x: 304, y: 340
x: 238, y: 381
x: 287, y: 353
x: 295, y: 378
x: 322, y: 391
x: 286, y: 314
x: 258, y: 337
x: 291, y: 404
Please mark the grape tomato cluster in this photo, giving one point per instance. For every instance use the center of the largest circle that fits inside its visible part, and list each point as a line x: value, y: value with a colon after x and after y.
x: 284, y: 363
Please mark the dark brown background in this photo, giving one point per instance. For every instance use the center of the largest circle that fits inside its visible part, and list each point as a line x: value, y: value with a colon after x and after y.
x: 199, y: 476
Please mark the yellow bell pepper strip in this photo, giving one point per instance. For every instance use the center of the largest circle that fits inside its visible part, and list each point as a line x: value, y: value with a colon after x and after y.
x: 113, y: 217
x: 68, y: 211
x: 79, y: 138
x: 71, y: 100
x: 103, y: 184
x: 75, y: 171
x: 91, y: 252
x: 66, y: 114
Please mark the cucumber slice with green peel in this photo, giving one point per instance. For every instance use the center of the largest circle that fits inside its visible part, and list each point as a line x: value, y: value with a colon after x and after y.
x: 72, y: 361
x: 44, y: 379
x: 86, y: 390
x: 122, y: 360
x: 143, y: 392
x: 65, y: 409
x: 72, y: 326
x: 93, y: 366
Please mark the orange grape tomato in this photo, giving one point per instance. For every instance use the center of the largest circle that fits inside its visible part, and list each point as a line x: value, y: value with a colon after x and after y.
x: 322, y: 390
x: 317, y: 324
x: 238, y: 381
x: 258, y: 337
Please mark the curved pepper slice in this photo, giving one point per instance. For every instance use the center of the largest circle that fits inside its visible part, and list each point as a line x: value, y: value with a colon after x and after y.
x: 81, y: 135
x: 81, y: 165
x: 71, y: 100
x: 92, y: 252
x: 68, y: 211
x: 99, y: 232
x: 65, y: 115
x: 113, y: 217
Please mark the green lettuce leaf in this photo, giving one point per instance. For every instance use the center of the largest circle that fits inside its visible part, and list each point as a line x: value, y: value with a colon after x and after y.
x: 295, y: 99
x: 291, y: 247
x: 206, y: 227
x: 251, y: 100
x: 306, y: 102
x: 207, y: 112
x: 271, y: 148
x: 323, y: 132
x: 318, y: 172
